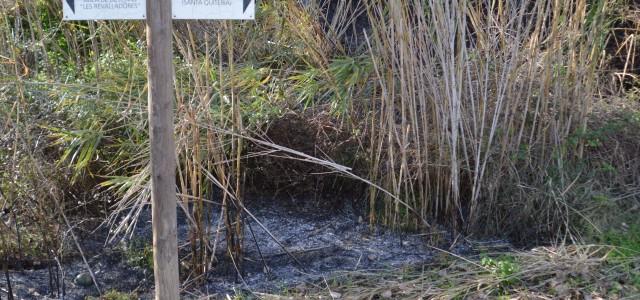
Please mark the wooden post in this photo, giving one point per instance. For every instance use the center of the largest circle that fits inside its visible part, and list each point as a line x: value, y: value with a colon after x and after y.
x: 163, y: 156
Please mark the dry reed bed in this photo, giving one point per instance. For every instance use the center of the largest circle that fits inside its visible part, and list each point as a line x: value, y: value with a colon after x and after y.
x: 478, y: 100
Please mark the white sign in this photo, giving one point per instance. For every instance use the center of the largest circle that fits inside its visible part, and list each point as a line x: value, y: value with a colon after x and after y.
x: 136, y: 9
x: 104, y: 9
x: 214, y: 9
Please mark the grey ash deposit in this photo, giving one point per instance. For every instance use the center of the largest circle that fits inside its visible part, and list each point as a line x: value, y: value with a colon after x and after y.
x: 324, y: 240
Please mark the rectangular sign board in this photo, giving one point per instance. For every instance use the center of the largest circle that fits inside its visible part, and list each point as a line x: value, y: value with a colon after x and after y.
x: 214, y: 9
x: 136, y: 9
x: 104, y: 9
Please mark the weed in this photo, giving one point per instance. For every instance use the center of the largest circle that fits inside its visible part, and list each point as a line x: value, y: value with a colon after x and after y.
x: 625, y: 241
x: 505, y: 268
x: 114, y: 295
x: 139, y: 253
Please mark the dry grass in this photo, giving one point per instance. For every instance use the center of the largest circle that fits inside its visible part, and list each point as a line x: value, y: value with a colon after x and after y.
x: 478, y: 101
x: 574, y: 272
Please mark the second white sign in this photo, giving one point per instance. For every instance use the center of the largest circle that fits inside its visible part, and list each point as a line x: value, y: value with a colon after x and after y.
x: 214, y: 9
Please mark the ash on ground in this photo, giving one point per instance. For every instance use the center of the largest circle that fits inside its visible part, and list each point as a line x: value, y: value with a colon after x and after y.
x: 324, y: 241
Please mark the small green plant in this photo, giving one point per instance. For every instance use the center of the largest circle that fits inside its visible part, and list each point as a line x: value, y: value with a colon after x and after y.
x: 626, y: 252
x: 140, y: 254
x: 626, y: 243
x: 504, y: 268
x: 600, y: 198
x: 635, y: 278
x: 238, y: 295
x: 114, y: 295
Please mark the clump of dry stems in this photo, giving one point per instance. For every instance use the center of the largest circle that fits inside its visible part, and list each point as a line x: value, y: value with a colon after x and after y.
x: 478, y: 101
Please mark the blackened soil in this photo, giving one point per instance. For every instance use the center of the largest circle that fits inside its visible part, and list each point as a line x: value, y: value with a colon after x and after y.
x: 323, y: 240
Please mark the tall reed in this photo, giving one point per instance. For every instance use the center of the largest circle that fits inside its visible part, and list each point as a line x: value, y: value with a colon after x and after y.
x: 478, y: 102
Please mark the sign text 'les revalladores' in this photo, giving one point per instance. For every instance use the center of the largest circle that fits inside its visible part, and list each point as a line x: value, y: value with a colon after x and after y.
x: 136, y: 9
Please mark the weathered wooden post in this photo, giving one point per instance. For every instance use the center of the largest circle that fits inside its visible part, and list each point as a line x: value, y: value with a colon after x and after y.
x: 163, y: 149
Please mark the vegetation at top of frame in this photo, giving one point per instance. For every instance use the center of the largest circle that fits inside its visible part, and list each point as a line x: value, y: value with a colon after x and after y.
x: 485, y: 117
